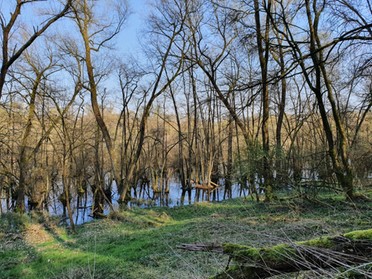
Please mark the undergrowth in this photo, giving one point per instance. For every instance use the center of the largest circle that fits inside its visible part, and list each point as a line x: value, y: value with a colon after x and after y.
x: 141, y: 243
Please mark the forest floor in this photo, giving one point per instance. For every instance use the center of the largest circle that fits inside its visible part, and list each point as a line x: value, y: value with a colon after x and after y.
x: 142, y: 243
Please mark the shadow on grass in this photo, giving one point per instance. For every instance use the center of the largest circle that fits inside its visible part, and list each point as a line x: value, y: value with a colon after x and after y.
x: 141, y: 243
x: 15, y: 254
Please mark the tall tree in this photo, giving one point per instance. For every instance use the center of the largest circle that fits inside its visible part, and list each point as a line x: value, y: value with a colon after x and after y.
x: 263, y: 45
x: 167, y: 22
x: 95, y: 34
x: 313, y: 58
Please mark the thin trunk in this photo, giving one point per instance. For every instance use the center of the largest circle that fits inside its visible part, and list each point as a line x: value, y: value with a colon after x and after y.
x: 84, y: 25
x: 342, y: 169
x: 263, y: 53
x: 281, y: 113
x: 24, y: 156
x: 229, y: 167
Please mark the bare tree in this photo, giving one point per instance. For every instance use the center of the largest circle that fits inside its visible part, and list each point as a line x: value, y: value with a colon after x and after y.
x: 10, y: 50
x: 319, y: 51
x: 167, y: 23
x: 96, y: 33
x: 25, y: 154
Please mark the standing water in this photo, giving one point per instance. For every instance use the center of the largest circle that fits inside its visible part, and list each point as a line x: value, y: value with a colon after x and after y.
x: 82, y: 205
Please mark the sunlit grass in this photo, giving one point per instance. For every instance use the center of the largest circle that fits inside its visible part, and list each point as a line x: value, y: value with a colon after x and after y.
x: 141, y: 243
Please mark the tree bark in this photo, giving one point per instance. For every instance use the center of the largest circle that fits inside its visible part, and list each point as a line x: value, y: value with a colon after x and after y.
x: 263, y: 54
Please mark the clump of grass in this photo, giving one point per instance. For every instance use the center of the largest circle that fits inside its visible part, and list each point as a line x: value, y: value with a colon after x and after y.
x: 148, y: 218
x: 11, y: 222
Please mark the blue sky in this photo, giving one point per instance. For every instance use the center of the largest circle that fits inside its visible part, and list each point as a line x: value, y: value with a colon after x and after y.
x: 128, y: 40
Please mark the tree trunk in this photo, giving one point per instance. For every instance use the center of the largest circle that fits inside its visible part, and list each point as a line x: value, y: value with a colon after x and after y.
x: 229, y: 166
x: 341, y: 167
x: 24, y: 155
x: 263, y: 54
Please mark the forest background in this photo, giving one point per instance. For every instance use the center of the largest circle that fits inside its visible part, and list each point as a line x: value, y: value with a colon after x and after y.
x: 268, y: 96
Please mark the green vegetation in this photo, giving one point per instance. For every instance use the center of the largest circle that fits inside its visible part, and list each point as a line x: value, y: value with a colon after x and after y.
x: 141, y: 243
x: 365, y: 234
x: 313, y: 254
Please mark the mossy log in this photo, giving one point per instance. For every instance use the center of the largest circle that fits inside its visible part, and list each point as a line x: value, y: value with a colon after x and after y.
x: 325, y: 252
x: 321, y: 253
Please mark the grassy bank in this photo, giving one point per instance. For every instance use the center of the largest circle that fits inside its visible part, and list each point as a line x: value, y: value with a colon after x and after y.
x: 141, y: 243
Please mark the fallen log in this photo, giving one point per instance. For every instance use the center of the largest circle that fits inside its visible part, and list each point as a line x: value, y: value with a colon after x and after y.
x: 202, y: 247
x: 347, y: 250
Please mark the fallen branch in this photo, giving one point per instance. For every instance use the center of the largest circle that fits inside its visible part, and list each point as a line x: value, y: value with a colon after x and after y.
x: 202, y: 247
x: 346, y: 251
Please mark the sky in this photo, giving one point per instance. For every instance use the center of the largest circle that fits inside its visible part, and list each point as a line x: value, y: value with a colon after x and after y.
x: 127, y: 41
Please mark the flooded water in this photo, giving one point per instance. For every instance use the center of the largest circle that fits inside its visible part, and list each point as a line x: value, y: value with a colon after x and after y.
x: 149, y: 199
x: 175, y: 192
x: 82, y: 206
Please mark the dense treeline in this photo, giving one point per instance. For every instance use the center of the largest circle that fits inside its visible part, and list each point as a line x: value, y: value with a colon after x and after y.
x: 267, y: 95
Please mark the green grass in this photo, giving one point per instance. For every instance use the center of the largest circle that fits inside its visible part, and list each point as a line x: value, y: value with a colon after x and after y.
x: 141, y: 243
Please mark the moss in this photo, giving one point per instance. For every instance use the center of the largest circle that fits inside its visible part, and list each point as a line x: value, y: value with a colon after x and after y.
x: 274, y: 255
x: 250, y: 262
x: 363, y: 234
x: 277, y: 253
x: 321, y: 242
x: 241, y: 252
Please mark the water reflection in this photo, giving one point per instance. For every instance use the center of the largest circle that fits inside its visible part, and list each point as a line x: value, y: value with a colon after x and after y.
x: 82, y: 204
